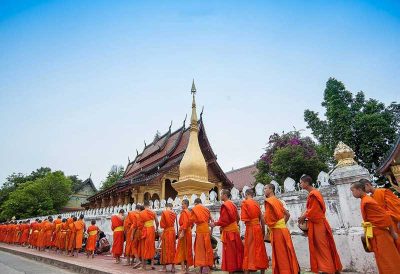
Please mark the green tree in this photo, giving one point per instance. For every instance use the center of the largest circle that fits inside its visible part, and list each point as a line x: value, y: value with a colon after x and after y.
x: 42, y: 196
x: 368, y: 126
x: 289, y: 155
x: 114, y: 175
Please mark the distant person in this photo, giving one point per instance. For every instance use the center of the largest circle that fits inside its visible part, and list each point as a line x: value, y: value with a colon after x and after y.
x: 148, y: 218
x: 168, y: 238
x: 184, y: 254
x: 80, y: 228
x: 103, y: 245
x: 93, y: 232
x: 117, y: 226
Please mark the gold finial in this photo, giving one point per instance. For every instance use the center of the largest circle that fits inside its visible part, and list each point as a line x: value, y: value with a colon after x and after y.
x: 344, y: 155
x: 193, y: 119
x: 193, y: 91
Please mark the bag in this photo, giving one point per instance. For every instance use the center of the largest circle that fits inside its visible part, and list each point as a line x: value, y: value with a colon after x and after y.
x: 364, y: 243
x: 303, y: 226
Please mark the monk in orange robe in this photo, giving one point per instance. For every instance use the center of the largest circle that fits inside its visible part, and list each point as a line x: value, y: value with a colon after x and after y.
x: 93, y: 232
x: 323, y: 254
x: 232, y: 245
x: 379, y: 232
x: 70, y: 220
x: 40, y: 239
x: 25, y: 233
x: 168, y: 237
x: 255, y: 254
x: 56, y: 233
x: 203, y: 252
x: 80, y: 228
x: 48, y: 231
x: 390, y: 202
x: 71, y: 237
x: 136, y: 236
x: 284, y: 258
x: 184, y: 254
x: 128, y: 235
x: 148, y: 218
x: 18, y: 232
x: 117, y: 226
x: 34, y: 234
x: 63, y: 236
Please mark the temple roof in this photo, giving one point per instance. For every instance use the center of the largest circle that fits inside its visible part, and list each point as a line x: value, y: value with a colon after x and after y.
x: 163, y: 154
x: 392, y: 156
x: 88, y: 182
x: 243, y: 176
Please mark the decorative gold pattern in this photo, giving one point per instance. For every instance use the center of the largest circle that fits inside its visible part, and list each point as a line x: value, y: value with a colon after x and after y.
x: 344, y: 155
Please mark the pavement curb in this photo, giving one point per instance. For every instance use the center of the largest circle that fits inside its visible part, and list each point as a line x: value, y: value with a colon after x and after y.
x: 55, y: 262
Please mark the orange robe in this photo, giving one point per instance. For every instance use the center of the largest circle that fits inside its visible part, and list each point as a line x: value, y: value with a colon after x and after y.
x: 391, y: 203
x: 40, y: 239
x: 203, y: 252
x: 136, y: 235
x: 382, y: 244
x: 93, y: 231
x: 284, y: 258
x: 117, y: 226
x: 232, y: 245
x: 71, y: 236
x: 56, y: 233
x: 35, y: 234
x: 79, y: 230
x: 255, y: 254
x: 184, y: 251
x: 148, y: 234
x: 64, y: 236
x: 48, y: 233
x: 323, y: 254
x: 18, y: 233
x: 168, y: 237
x: 128, y: 232
x: 25, y: 234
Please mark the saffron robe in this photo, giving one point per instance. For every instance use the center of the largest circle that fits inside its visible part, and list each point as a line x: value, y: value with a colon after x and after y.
x: 56, y: 233
x: 34, y: 235
x: 71, y: 236
x: 148, y: 234
x: 203, y: 252
x: 232, y: 245
x: 382, y: 244
x: 136, y: 235
x: 68, y: 240
x: 284, y: 260
x: 128, y: 233
x: 64, y: 236
x: 93, y: 232
x: 79, y: 230
x: 323, y: 254
x: 184, y: 251
x: 168, y: 237
x: 391, y: 203
x: 40, y: 239
x: 255, y: 254
x: 25, y: 234
x: 117, y: 226
x: 48, y: 233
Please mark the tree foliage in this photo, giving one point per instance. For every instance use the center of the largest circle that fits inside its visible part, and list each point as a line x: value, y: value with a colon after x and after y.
x: 114, y: 175
x: 289, y: 155
x: 41, y: 196
x: 368, y: 126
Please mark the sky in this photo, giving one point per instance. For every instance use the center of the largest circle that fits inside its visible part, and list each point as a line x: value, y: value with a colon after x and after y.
x: 84, y: 83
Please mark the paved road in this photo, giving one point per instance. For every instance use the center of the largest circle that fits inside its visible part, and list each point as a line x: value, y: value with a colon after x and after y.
x: 12, y: 264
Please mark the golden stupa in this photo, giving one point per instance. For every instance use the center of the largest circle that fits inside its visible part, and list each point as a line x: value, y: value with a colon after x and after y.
x: 193, y: 174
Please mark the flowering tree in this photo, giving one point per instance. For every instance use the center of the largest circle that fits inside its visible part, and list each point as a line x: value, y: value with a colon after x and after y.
x: 289, y: 155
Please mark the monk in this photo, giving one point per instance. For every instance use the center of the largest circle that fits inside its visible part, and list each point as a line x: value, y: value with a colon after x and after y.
x: 117, y: 226
x: 255, y: 254
x: 70, y: 220
x: 48, y: 231
x: 323, y: 254
x: 18, y: 232
x: 40, y: 238
x: 63, y: 236
x: 284, y: 258
x: 56, y: 233
x: 168, y: 237
x: 184, y: 255
x: 148, y: 218
x: 34, y: 234
x: 80, y: 228
x: 72, y: 237
x: 136, y: 235
x: 380, y: 235
x: 93, y: 232
x: 232, y: 245
x: 390, y: 202
x: 25, y: 233
x: 128, y: 235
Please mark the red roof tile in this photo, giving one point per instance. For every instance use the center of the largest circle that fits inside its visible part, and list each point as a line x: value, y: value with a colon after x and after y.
x: 243, y: 176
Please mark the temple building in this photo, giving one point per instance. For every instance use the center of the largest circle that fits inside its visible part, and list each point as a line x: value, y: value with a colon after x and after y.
x: 177, y: 163
x: 80, y: 195
x: 390, y: 168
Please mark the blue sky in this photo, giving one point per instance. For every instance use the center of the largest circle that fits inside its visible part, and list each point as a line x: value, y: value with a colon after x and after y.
x: 84, y: 83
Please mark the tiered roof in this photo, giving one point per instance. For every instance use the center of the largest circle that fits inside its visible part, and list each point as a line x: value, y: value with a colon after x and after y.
x: 163, y: 154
